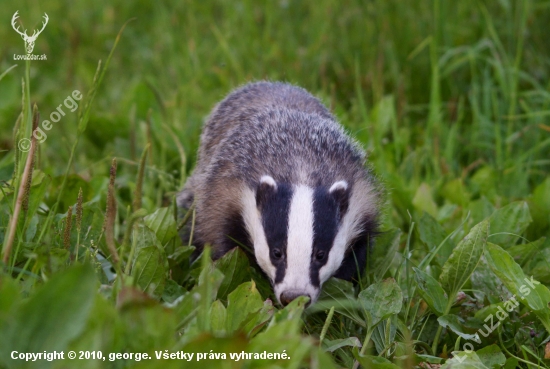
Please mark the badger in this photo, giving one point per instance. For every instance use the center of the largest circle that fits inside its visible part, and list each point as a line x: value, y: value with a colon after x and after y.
x: 278, y: 175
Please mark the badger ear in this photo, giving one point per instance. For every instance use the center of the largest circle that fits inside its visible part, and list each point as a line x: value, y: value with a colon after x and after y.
x: 340, y: 193
x: 267, y: 187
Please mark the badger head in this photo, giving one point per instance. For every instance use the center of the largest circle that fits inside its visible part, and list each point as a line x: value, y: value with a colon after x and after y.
x: 303, y: 235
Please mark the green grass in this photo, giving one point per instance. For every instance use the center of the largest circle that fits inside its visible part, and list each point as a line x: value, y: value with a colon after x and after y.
x: 450, y: 99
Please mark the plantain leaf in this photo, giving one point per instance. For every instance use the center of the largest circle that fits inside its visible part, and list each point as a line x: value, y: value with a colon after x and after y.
x: 464, y: 360
x: 218, y: 317
x: 528, y: 290
x: 464, y: 259
x: 149, y: 270
x: 259, y: 319
x: 235, y: 268
x: 431, y: 291
x: 162, y: 222
x: 491, y: 356
x: 453, y: 323
x: 242, y: 302
x: 381, y: 300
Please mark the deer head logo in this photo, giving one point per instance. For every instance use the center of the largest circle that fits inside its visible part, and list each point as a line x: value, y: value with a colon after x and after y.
x: 29, y: 40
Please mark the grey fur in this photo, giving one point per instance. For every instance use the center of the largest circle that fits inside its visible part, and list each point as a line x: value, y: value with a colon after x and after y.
x: 276, y: 129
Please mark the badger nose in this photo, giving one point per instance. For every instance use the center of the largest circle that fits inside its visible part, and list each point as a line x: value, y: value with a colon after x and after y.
x: 288, y: 296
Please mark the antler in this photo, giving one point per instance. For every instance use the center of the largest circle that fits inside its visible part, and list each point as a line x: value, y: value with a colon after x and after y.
x: 34, y: 34
x: 15, y: 16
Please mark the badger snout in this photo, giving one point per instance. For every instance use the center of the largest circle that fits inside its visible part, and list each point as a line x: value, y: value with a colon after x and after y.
x: 287, y: 296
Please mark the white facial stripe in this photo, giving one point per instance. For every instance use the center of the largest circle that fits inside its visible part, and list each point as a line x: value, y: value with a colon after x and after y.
x: 299, y: 244
x: 253, y: 223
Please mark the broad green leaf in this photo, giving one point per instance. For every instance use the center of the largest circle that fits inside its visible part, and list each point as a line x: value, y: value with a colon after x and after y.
x: 187, y: 306
x: 172, y: 291
x: 453, y: 323
x: 235, y: 268
x: 145, y: 237
x: 333, y: 345
x: 291, y: 313
x: 491, y: 356
x: 218, y: 317
x: 103, y: 332
x: 431, y: 291
x: 511, y: 363
x: 259, y: 320
x: 381, y: 300
x: 242, y: 302
x: 464, y: 360
x: 525, y: 289
x: 210, y: 279
x: 375, y: 362
x: 423, y: 200
x: 464, y: 259
x: 179, y: 264
x: 52, y: 317
x: 149, y: 270
x: 513, y: 219
x: 383, y: 334
x: 162, y: 222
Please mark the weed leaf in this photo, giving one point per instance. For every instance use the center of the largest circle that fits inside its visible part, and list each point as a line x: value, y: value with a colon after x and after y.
x: 464, y: 259
x: 526, y: 289
x: 381, y: 300
x: 431, y: 291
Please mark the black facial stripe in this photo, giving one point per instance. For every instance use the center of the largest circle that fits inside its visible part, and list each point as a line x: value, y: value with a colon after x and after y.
x: 325, y: 227
x: 274, y: 206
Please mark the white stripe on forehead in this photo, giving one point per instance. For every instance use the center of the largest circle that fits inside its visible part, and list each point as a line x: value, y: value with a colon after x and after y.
x: 300, y: 243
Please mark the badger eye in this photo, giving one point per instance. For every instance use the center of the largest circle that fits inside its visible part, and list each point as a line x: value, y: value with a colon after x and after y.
x: 320, y: 255
x: 277, y: 254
